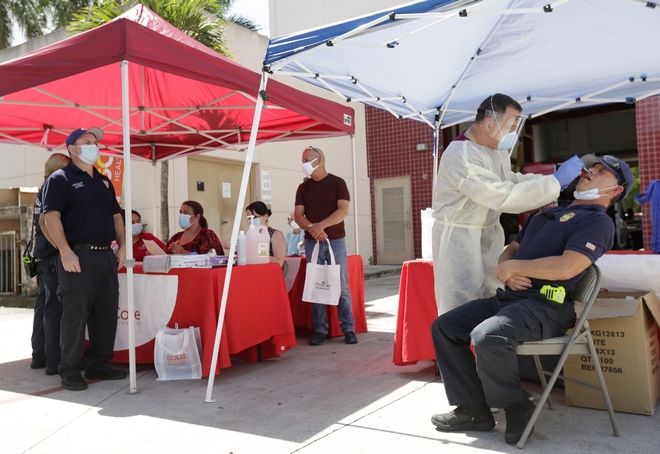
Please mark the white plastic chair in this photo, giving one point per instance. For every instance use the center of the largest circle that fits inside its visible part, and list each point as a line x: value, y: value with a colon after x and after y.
x: 579, y: 342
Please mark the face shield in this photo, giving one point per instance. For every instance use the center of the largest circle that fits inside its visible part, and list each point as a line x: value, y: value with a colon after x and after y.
x: 507, y: 131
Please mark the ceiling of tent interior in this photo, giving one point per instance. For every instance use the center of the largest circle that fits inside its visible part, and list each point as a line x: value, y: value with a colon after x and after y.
x: 436, y: 60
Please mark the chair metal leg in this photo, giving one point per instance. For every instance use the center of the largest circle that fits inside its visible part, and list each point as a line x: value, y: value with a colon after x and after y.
x: 544, y: 397
x: 437, y: 368
x: 603, y: 386
x: 539, y: 369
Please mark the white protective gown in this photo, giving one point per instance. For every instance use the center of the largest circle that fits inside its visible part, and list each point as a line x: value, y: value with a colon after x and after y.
x: 475, y: 185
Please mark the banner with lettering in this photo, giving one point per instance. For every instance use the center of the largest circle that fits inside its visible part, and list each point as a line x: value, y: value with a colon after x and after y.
x: 113, y: 168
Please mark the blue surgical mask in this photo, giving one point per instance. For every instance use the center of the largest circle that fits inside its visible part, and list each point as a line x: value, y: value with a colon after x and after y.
x: 591, y: 194
x: 89, y: 154
x: 184, y: 221
x: 137, y: 229
x: 257, y: 222
x: 507, y: 141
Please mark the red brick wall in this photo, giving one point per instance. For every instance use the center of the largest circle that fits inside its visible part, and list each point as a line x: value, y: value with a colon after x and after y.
x: 647, y: 113
x: 391, y: 152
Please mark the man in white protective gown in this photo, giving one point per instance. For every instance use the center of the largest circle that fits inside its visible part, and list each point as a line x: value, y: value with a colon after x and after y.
x: 475, y: 185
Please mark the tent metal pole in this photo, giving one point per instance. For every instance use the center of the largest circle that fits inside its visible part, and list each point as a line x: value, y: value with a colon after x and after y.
x: 355, y: 198
x: 156, y: 190
x: 234, y: 232
x: 436, y: 152
x: 130, y: 262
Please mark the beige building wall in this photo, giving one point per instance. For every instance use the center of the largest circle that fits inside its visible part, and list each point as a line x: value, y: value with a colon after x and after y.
x: 23, y: 165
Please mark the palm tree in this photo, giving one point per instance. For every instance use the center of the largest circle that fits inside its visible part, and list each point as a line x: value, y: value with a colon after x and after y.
x: 202, y: 20
x: 27, y: 14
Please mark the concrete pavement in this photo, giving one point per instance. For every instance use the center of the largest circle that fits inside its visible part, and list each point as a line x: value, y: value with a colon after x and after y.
x: 333, y: 398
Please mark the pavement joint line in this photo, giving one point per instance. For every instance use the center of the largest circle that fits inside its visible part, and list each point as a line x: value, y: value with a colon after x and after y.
x: 351, y: 424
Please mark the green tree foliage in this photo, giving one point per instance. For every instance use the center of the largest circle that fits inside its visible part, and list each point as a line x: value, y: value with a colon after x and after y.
x: 202, y: 20
x: 27, y: 14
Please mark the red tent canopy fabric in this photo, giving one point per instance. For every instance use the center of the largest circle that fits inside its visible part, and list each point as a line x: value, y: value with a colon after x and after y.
x: 184, y: 97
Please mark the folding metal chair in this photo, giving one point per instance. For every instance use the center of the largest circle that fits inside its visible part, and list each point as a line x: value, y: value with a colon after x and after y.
x: 579, y: 342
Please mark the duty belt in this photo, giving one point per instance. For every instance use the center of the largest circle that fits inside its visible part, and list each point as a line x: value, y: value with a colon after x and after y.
x: 90, y: 247
x: 554, y: 293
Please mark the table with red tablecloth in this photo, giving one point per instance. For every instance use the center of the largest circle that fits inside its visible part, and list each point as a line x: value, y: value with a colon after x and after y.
x: 417, y: 310
x: 258, y: 314
x: 302, y: 312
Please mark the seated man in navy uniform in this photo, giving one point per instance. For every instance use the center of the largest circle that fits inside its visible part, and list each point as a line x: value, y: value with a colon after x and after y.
x: 82, y: 218
x: 540, y: 269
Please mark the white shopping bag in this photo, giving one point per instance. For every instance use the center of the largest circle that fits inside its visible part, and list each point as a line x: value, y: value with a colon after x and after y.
x: 177, y: 353
x: 322, y: 282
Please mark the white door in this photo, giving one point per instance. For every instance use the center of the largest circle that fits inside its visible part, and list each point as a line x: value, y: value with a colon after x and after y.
x: 218, y: 192
x: 394, y: 238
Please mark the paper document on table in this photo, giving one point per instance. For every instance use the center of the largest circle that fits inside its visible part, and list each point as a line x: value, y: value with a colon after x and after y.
x: 153, y: 248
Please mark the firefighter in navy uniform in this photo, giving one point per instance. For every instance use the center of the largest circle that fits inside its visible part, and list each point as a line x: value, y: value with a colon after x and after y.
x: 540, y: 269
x: 82, y: 218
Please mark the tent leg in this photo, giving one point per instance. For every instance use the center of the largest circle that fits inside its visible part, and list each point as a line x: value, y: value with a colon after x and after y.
x: 355, y: 202
x: 130, y: 262
x: 234, y: 234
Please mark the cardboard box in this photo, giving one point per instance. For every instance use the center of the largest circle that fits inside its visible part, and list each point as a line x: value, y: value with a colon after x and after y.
x: 623, y: 326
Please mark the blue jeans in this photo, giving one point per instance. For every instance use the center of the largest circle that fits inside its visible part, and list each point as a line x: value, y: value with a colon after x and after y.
x: 345, y: 307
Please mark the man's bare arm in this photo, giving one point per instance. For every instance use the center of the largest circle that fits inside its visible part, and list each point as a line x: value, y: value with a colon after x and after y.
x: 555, y: 268
x: 120, y: 239
x: 55, y: 229
x: 44, y: 230
x: 317, y: 230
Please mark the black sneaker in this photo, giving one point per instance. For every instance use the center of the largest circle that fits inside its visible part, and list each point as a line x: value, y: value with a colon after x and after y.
x: 51, y: 371
x: 517, y: 417
x: 75, y: 383
x: 318, y: 338
x: 105, y: 373
x: 465, y: 417
x: 350, y: 338
x: 37, y: 364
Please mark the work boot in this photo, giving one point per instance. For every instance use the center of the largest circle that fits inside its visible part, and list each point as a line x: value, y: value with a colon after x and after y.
x: 465, y: 417
x: 517, y: 417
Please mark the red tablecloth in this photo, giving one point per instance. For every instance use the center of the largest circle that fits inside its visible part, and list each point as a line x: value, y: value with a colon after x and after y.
x: 417, y: 310
x: 258, y: 313
x: 302, y: 312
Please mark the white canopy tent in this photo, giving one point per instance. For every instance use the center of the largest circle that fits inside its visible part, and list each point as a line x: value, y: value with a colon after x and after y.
x: 435, y: 60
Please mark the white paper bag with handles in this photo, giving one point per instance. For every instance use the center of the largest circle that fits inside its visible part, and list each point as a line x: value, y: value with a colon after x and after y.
x: 322, y: 282
x: 177, y: 353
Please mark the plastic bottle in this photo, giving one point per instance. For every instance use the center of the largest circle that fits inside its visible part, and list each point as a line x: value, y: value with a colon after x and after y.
x: 258, y: 244
x: 241, y: 249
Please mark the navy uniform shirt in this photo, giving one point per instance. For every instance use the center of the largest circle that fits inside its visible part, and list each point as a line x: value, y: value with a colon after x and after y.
x: 86, y: 205
x: 586, y: 229
x: 42, y: 248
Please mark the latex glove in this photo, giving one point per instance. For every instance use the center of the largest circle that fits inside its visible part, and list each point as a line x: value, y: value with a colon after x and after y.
x: 569, y: 171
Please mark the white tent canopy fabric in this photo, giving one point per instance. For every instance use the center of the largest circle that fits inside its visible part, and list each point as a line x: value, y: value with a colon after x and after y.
x: 436, y: 60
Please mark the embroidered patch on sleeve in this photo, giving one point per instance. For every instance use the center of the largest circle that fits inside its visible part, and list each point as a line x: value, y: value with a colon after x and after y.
x: 591, y: 246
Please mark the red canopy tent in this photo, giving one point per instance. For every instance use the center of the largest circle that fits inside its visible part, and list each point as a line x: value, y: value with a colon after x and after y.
x: 183, y: 97
x: 157, y: 94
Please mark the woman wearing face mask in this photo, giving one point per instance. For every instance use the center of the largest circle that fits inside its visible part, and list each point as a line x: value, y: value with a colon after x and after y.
x: 196, y: 236
x: 139, y: 248
x: 294, y: 239
x: 261, y: 214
